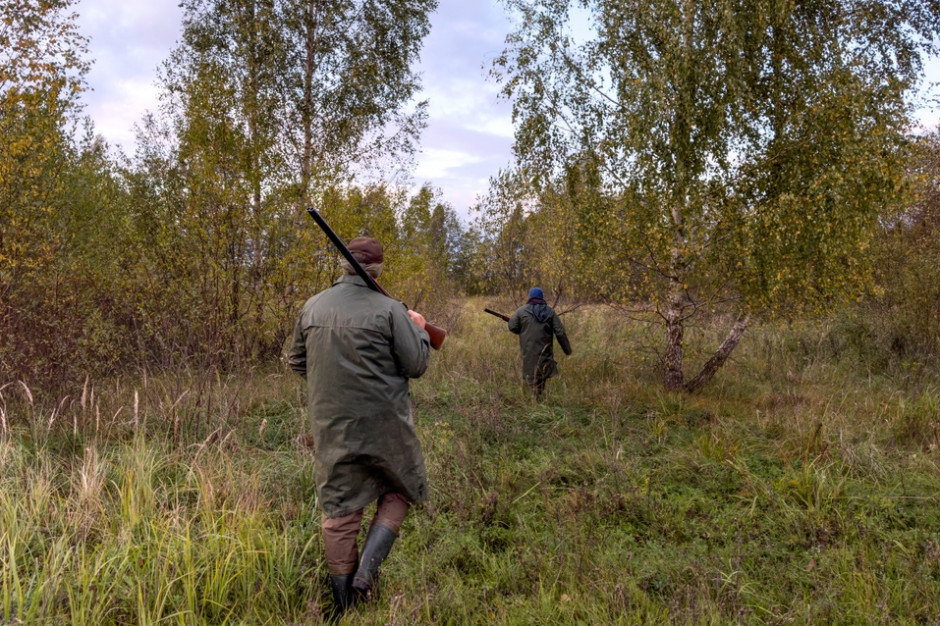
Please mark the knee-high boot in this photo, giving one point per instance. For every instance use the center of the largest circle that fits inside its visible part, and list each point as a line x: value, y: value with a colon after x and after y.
x: 343, y: 595
x: 378, y: 544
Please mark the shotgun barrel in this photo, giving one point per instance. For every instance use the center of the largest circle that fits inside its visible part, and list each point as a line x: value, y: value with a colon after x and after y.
x: 505, y: 318
x: 435, y: 333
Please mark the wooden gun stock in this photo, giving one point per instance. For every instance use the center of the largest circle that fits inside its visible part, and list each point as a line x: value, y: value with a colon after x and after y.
x: 435, y: 333
x: 505, y: 318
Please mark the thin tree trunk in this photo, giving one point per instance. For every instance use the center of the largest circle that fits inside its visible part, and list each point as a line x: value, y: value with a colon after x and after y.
x: 721, y: 355
x: 306, y: 164
x: 255, y: 288
x: 673, y: 378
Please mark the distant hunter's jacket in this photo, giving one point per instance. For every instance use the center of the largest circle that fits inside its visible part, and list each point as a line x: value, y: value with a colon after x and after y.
x: 357, y: 349
x: 537, y: 324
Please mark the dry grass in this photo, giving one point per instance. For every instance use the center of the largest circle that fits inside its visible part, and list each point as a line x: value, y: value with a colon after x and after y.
x: 801, y: 486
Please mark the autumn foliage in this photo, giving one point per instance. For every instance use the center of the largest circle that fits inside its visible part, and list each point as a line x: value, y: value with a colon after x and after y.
x: 675, y: 161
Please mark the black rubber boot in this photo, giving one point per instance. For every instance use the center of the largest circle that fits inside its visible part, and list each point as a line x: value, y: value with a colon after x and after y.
x: 343, y: 595
x: 378, y: 544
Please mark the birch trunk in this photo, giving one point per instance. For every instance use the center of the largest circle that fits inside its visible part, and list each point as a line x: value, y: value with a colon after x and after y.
x: 673, y: 378
x: 721, y: 355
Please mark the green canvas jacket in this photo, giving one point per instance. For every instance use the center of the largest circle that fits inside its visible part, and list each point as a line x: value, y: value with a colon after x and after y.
x: 537, y: 325
x: 357, y: 349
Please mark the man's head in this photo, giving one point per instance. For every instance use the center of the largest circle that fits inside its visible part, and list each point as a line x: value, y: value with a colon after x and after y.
x: 535, y: 292
x: 368, y: 252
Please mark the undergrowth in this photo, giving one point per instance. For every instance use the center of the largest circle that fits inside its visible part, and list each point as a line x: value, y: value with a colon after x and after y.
x: 799, y: 487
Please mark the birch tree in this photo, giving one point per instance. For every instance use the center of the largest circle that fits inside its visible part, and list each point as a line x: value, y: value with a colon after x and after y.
x: 746, y: 147
x: 271, y: 105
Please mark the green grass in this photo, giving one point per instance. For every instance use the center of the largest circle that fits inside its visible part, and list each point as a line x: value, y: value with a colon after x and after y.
x: 800, y: 487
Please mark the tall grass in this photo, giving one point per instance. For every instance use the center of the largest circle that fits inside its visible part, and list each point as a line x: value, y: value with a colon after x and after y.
x: 800, y: 487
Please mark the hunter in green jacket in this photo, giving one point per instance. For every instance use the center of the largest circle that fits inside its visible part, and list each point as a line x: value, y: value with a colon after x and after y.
x: 537, y: 325
x: 358, y: 348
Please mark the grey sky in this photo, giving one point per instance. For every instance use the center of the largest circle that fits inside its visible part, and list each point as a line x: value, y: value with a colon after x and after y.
x: 469, y: 134
x: 129, y: 40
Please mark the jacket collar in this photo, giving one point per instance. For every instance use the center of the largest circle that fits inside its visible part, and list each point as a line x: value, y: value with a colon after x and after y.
x: 353, y: 279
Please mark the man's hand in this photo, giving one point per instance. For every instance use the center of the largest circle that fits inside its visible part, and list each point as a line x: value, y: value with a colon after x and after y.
x: 417, y: 318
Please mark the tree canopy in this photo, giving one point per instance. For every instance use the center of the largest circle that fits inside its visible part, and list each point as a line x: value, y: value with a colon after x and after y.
x: 268, y: 104
x: 671, y: 157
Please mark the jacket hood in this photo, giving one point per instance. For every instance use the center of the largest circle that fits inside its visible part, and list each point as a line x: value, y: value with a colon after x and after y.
x: 541, y: 311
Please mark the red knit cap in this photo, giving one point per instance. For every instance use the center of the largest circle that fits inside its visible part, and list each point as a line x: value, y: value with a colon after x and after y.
x: 366, y: 250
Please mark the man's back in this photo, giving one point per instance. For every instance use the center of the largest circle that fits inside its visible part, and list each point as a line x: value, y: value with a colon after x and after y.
x: 537, y: 325
x: 365, y: 344
x: 534, y: 324
x: 358, y: 348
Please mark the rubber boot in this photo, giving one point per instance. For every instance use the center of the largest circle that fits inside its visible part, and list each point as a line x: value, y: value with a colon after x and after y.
x: 343, y: 595
x: 378, y: 544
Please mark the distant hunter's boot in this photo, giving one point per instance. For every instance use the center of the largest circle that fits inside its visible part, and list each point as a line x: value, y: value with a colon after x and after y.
x: 343, y: 595
x: 378, y: 544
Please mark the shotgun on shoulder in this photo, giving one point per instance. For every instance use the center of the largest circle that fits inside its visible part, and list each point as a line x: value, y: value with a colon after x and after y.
x: 435, y: 333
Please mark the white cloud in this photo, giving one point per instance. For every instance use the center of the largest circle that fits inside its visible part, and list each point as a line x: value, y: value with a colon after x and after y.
x: 438, y: 163
x: 469, y: 134
x: 128, y: 42
x: 125, y: 105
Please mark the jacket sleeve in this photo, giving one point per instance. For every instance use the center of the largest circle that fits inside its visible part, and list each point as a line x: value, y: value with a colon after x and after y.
x: 411, y: 345
x: 559, y: 329
x: 515, y: 322
x: 297, y: 357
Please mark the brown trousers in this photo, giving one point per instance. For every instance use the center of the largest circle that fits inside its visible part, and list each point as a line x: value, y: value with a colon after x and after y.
x: 340, y: 533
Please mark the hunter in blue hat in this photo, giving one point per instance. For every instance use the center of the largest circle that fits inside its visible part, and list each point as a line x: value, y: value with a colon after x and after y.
x: 537, y: 326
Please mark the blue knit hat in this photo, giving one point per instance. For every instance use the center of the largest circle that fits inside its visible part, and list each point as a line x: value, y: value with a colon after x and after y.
x: 535, y: 292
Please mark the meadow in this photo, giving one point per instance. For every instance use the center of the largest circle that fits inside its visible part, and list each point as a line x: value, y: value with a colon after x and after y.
x: 800, y: 487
